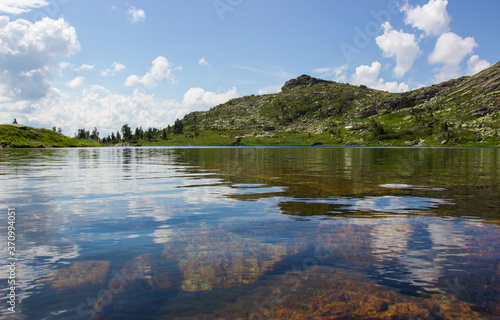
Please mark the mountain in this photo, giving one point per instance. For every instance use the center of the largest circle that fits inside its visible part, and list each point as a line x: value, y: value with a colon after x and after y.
x: 310, y: 111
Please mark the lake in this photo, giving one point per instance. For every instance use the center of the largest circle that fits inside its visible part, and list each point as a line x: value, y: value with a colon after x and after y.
x: 250, y: 233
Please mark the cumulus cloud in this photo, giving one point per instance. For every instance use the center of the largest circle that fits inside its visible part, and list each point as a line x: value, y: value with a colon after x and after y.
x: 96, y: 106
x: 451, y: 50
x: 135, y: 15
x: 476, y: 65
x: 77, y: 82
x: 86, y: 67
x: 338, y: 73
x: 115, y: 68
x: 20, y: 6
x: 28, y: 55
x: 203, y: 62
x: 369, y: 76
x: 400, y: 45
x: 160, y: 70
x: 432, y: 18
x: 269, y: 89
x: 199, y: 99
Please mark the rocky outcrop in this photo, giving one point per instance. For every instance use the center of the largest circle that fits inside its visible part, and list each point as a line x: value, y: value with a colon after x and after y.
x: 302, y: 82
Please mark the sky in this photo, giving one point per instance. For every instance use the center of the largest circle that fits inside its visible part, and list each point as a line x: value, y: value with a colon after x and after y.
x: 86, y: 63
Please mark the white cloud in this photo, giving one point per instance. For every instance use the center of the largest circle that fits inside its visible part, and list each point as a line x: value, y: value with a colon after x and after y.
x: 108, y: 111
x: 135, y: 15
x: 97, y: 107
x: 29, y: 53
x: 77, y: 82
x: 451, y: 50
x: 270, y: 89
x: 199, y: 99
x: 400, y: 45
x: 325, y: 70
x: 20, y: 6
x: 432, y: 18
x: 369, y: 76
x: 476, y: 65
x: 86, y: 67
x: 338, y: 74
x: 115, y: 68
x: 203, y: 62
x: 161, y: 69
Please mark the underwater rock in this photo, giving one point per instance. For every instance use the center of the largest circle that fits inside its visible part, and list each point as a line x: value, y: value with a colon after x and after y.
x: 80, y: 273
x: 213, y: 258
x: 333, y: 293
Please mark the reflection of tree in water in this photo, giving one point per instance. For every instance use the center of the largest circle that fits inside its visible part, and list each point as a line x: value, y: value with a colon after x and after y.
x: 80, y: 273
x: 213, y: 258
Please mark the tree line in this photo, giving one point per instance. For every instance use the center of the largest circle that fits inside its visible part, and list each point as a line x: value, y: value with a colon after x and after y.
x: 127, y: 134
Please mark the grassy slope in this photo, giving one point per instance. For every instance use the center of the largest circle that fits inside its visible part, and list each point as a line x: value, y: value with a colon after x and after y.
x: 27, y: 137
x: 459, y: 112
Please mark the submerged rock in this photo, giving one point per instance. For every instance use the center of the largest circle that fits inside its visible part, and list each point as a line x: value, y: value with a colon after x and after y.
x: 213, y: 258
x: 80, y: 273
x: 334, y: 293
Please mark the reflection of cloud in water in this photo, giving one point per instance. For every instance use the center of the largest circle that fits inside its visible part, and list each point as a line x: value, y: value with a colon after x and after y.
x: 390, y: 238
x: 30, y: 269
x: 383, y: 204
x: 437, y: 251
x: 394, y: 204
x: 412, y: 250
x: 423, y: 249
x: 446, y: 235
x: 163, y: 234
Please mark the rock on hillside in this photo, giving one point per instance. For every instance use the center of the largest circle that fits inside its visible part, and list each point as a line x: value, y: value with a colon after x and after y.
x: 301, y: 82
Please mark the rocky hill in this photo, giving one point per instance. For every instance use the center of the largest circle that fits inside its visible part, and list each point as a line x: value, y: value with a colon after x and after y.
x: 464, y: 111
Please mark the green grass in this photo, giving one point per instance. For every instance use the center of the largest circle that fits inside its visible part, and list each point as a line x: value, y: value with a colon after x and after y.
x: 406, y: 137
x: 27, y: 137
x: 397, y: 132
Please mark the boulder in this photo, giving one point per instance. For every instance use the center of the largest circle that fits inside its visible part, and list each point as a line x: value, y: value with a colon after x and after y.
x: 302, y: 82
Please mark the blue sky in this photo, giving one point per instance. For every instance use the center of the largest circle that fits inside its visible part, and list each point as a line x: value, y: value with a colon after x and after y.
x: 79, y: 64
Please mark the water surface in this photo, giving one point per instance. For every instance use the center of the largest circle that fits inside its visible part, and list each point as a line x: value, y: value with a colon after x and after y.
x: 253, y: 233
